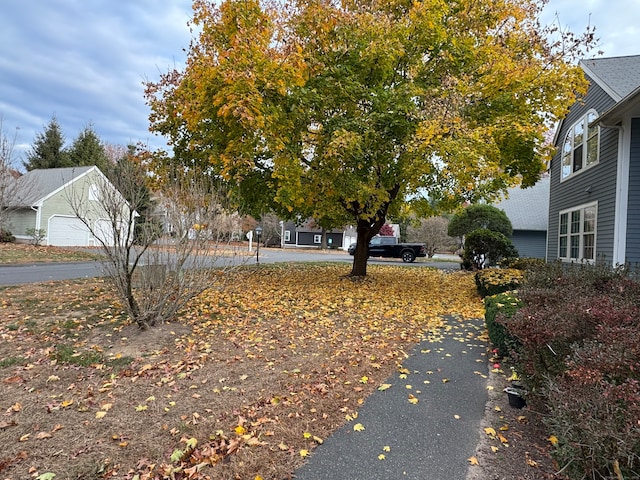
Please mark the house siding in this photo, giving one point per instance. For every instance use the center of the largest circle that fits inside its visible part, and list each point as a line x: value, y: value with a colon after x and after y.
x: 595, y: 184
x: 57, y: 205
x: 20, y: 220
x: 60, y: 203
x: 529, y: 243
x: 307, y: 238
x: 633, y: 213
x: 302, y: 236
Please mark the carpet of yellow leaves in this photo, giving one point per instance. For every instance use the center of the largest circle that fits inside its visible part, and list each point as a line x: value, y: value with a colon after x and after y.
x: 316, y: 310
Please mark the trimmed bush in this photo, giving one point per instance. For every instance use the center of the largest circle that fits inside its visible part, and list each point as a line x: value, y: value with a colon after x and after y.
x: 524, y: 264
x: 484, y: 248
x: 546, y: 331
x: 577, y: 349
x: 500, y: 306
x: 6, y: 236
x: 492, y: 281
x: 595, y: 423
x: 594, y: 408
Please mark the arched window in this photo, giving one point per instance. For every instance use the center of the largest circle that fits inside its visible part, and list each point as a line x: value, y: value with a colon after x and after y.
x: 581, y: 147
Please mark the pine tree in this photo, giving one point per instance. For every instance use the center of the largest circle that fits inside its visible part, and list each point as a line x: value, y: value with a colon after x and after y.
x: 48, y: 149
x: 87, y: 149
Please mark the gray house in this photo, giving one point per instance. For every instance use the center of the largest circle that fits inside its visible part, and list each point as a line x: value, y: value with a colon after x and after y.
x: 594, y: 202
x: 528, y: 211
x: 307, y: 234
x: 43, y: 201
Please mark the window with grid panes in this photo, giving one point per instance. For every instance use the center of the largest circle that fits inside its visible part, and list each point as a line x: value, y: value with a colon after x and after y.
x: 577, y: 233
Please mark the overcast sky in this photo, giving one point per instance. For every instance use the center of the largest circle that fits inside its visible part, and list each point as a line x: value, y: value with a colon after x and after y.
x: 84, y: 61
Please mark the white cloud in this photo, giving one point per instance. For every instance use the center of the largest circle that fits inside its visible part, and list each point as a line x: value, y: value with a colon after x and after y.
x: 85, y: 60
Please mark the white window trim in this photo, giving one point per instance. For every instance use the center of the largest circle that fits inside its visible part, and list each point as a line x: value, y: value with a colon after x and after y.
x: 287, y: 235
x: 581, y: 233
x: 317, y: 239
x: 585, y: 137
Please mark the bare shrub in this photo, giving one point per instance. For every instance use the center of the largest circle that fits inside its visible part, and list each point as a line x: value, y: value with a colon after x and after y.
x: 167, y: 262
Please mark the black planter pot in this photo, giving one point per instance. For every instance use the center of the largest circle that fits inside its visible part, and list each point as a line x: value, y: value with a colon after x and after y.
x: 516, y: 399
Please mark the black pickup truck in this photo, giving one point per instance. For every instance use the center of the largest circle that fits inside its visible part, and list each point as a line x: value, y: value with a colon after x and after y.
x: 390, y: 248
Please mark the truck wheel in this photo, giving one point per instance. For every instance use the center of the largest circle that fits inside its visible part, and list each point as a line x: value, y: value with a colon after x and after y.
x: 408, y: 256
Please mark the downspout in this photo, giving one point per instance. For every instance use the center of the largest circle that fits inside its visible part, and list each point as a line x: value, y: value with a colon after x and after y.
x: 36, y: 208
x: 622, y: 198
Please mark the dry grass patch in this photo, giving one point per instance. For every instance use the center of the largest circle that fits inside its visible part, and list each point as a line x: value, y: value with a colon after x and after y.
x: 17, y: 253
x: 249, y: 377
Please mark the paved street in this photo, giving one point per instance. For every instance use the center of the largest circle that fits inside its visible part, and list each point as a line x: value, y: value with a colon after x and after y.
x: 44, y: 272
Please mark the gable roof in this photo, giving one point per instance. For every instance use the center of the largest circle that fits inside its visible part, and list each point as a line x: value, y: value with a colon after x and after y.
x: 618, y: 76
x: 528, y: 208
x: 36, y: 185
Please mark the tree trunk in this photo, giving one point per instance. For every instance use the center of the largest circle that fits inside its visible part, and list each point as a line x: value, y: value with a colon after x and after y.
x: 366, y: 230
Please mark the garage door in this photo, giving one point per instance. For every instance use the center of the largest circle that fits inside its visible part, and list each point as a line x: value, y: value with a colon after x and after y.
x: 103, y: 231
x: 67, y: 231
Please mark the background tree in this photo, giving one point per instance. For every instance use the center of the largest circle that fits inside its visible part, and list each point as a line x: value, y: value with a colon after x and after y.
x: 386, y: 230
x: 485, y: 232
x: 8, y: 176
x: 348, y: 109
x: 271, y: 230
x: 432, y: 232
x: 479, y: 216
x: 118, y: 161
x: 87, y: 149
x: 48, y: 149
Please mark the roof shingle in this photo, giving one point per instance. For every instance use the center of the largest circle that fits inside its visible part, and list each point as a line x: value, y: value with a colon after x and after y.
x: 528, y: 209
x: 34, y: 185
x: 617, y: 75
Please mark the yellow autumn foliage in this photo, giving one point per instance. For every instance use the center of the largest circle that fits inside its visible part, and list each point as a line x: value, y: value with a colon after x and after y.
x: 309, y: 308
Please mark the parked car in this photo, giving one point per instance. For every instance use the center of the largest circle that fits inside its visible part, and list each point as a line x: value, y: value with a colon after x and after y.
x: 388, y: 247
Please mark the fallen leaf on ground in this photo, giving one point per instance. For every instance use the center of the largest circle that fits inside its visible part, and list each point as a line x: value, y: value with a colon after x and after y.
x: 530, y: 461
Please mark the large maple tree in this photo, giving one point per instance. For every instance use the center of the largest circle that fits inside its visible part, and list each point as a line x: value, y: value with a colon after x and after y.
x: 345, y: 111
